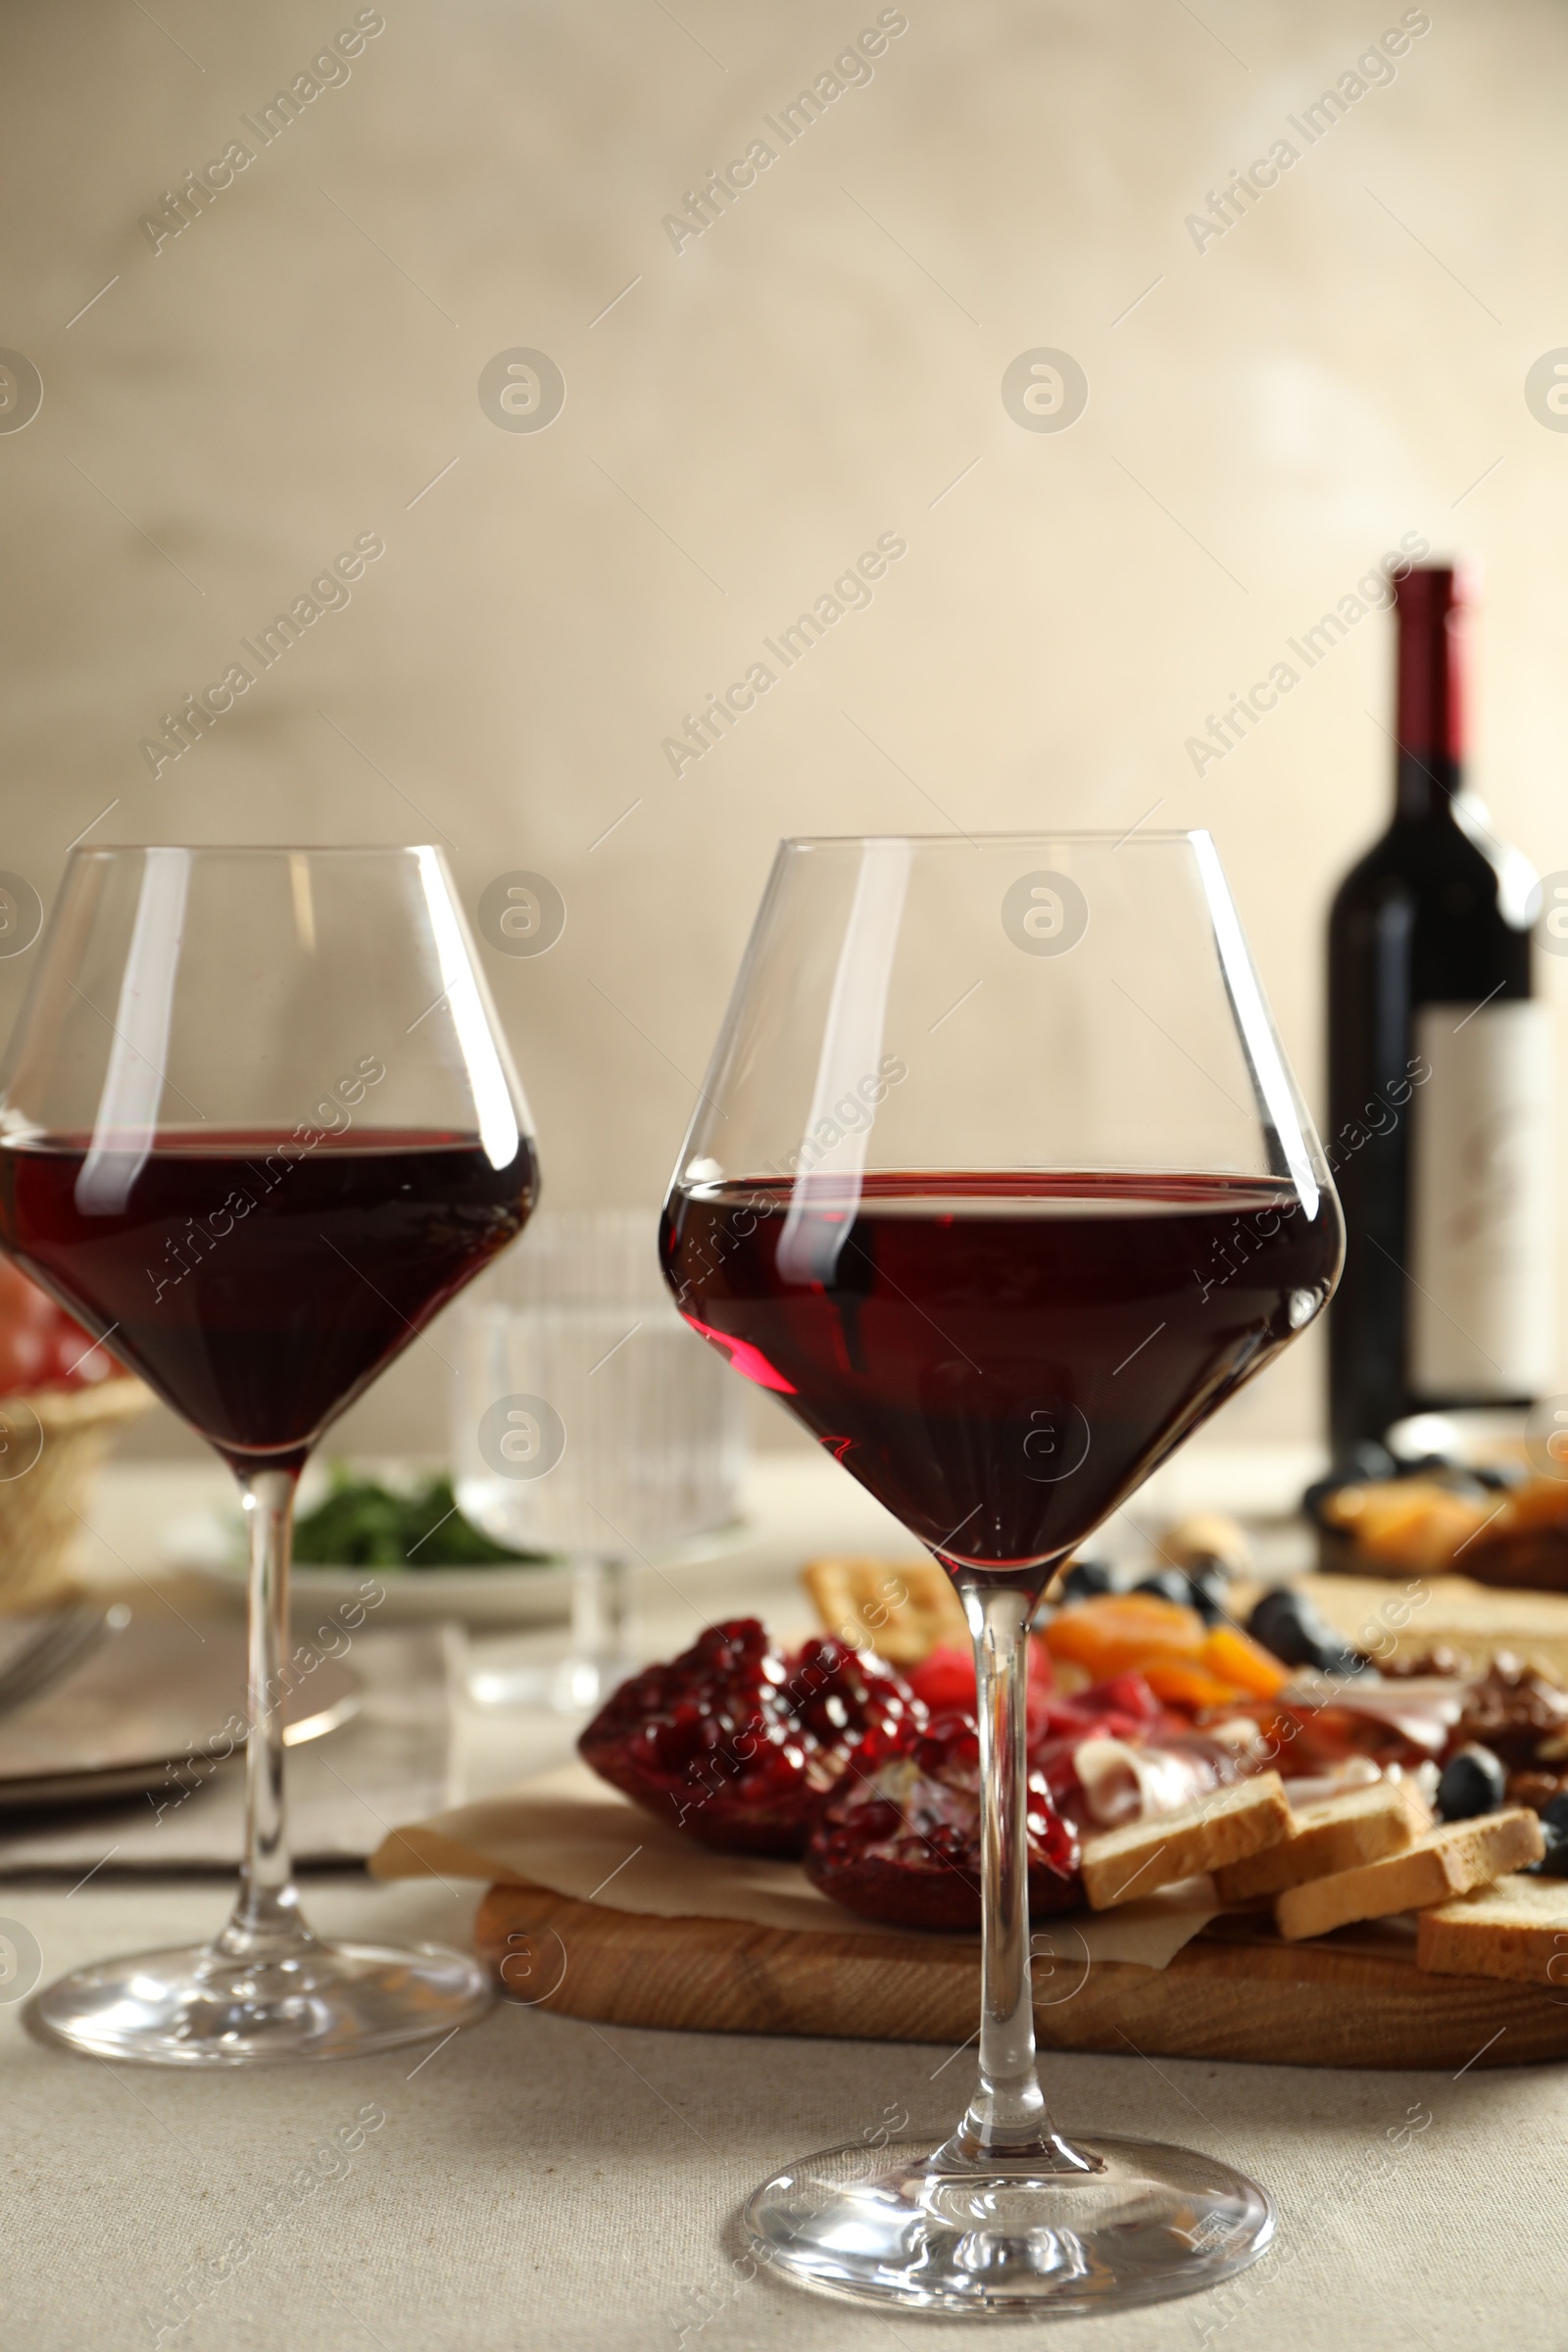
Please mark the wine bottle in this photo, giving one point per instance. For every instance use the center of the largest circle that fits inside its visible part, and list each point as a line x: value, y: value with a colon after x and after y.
x: 1440, y: 1077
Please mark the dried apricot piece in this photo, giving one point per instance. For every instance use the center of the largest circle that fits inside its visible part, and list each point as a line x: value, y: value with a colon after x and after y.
x: 1123, y: 1631
x: 1235, y: 1657
x: 1180, y: 1685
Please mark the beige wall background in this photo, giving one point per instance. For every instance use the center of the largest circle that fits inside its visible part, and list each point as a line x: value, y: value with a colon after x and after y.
x: 822, y: 364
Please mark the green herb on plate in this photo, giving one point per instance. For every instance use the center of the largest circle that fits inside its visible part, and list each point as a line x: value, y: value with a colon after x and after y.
x: 362, y: 1524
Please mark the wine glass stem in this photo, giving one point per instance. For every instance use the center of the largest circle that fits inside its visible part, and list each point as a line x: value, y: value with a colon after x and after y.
x: 601, y: 1609
x: 265, y: 1920
x: 1007, y: 2115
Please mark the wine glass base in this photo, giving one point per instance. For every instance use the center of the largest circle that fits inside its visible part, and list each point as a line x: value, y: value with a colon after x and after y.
x: 898, y: 2226
x: 192, y: 2006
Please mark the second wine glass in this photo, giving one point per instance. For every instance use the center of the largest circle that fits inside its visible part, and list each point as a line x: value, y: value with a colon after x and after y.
x: 256, y: 1125
x: 999, y: 1182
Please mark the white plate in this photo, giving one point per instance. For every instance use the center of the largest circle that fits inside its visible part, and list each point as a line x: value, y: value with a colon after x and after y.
x: 203, y: 1543
x: 496, y: 1595
x: 1478, y: 1438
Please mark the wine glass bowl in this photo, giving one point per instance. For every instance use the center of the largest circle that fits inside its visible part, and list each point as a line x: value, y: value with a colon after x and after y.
x: 999, y: 1182
x: 257, y: 1126
x: 1048, y: 1171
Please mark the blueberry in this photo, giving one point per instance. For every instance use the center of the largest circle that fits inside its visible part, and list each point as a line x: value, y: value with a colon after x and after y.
x: 1553, y: 1863
x: 1317, y: 1495
x: 1085, y: 1579
x: 1207, y: 1593
x: 1286, y: 1623
x: 1368, y: 1459
x: 1167, y: 1584
x: 1279, y: 1622
x: 1473, y: 1782
x: 1360, y: 1465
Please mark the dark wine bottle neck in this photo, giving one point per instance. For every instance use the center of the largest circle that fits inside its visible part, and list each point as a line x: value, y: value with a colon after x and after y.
x: 1430, y: 603
x: 1424, y: 786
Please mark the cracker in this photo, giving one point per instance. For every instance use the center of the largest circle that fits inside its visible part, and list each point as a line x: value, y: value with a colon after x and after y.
x: 1337, y: 1834
x: 1516, y: 1928
x: 902, y: 1608
x: 1225, y: 1827
x: 1446, y: 1862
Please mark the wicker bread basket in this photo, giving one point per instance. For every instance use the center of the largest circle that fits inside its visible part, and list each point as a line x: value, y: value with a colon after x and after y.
x: 50, y: 1443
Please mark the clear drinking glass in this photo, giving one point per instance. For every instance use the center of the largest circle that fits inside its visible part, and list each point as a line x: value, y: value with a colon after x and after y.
x: 256, y: 1125
x: 999, y: 1181
x: 587, y: 1421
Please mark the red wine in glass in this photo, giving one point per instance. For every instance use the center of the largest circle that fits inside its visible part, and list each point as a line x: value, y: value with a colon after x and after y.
x: 1002, y: 1358
x: 258, y: 1286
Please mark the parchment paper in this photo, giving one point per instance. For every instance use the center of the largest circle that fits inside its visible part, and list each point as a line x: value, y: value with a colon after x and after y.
x: 568, y: 1832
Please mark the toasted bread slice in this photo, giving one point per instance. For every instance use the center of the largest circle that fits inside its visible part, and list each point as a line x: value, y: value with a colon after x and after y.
x: 1337, y: 1834
x: 1120, y: 1865
x: 1515, y: 1927
x: 902, y: 1608
x: 1446, y: 1862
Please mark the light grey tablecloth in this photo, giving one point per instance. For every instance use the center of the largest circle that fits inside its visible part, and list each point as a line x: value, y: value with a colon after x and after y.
x: 549, y: 2185
x: 546, y: 2184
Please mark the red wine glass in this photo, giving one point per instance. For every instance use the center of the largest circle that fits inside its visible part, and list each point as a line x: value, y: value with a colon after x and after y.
x: 256, y: 1125
x: 999, y: 1181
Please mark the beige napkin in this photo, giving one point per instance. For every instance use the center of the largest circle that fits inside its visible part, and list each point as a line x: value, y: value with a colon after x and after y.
x: 569, y: 1832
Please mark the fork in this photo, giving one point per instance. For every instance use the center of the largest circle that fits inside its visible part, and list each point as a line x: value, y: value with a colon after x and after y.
x: 62, y: 1643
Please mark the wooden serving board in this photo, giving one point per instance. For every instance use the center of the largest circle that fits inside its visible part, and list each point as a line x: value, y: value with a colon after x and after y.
x: 1236, y: 1992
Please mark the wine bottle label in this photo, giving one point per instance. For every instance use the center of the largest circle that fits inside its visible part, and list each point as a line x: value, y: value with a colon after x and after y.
x: 1482, y: 1203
